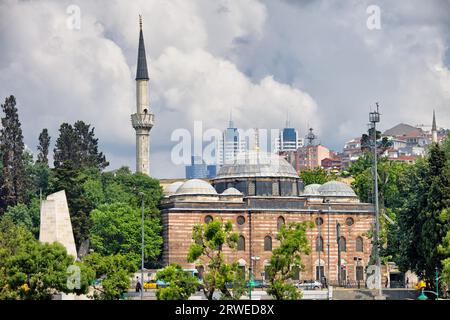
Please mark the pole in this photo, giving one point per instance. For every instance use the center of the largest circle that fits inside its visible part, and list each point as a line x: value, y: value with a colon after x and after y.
x: 320, y: 246
x: 328, y: 249
x: 338, y: 237
x: 377, y: 213
x: 437, y: 284
x: 250, y: 281
x: 142, y: 247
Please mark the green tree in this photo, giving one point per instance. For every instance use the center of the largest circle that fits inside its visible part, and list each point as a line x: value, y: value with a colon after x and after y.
x: 43, y: 147
x: 26, y: 216
x: 113, y: 272
x: 181, y: 284
x: 209, y: 240
x: 13, y: 180
x: 421, y: 227
x: 316, y: 175
x: 77, y: 148
x: 286, y: 259
x: 116, y: 228
x: 30, y: 269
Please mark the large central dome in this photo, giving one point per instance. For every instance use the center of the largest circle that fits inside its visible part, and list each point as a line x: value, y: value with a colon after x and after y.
x: 257, y: 164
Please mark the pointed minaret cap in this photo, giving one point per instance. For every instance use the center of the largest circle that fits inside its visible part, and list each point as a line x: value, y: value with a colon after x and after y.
x: 141, y: 72
x: 433, y: 127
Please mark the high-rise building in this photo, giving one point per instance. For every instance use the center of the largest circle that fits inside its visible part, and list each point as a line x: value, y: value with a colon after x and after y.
x: 229, y: 145
x: 199, y: 169
x: 288, y: 139
x: 143, y: 119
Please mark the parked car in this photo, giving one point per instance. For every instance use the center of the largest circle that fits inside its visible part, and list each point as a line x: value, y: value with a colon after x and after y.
x: 150, y: 284
x: 258, y: 284
x: 309, y: 285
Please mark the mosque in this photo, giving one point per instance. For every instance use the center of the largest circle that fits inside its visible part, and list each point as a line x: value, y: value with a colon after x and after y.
x: 258, y: 193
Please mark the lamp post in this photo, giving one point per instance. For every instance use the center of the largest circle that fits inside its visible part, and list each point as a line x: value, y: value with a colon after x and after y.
x: 328, y: 246
x: 338, y: 240
x: 319, y: 223
x: 374, y: 118
x: 437, y: 284
x: 142, y: 244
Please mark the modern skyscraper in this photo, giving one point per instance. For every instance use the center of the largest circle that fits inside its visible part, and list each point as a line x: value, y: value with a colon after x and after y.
x: 229, y: 145
x: 143, y: 119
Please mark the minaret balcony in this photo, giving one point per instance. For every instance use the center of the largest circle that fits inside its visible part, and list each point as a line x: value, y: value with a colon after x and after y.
x: 142, y: 120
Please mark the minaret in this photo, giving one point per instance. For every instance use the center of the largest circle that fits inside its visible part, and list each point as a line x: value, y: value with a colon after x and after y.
x: 142, y: 120
x: 434, y: 137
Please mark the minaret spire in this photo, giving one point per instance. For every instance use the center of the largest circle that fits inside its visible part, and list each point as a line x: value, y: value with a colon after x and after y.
x: 143, y: 119
x: 434, y: 138
x: 141, y: 72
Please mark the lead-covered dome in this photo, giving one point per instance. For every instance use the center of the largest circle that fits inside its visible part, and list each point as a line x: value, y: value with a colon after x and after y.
x: 232, y: 192
x: 196, y: 187
x: 312, y: 189
x: 257, y: 164
x: 336, y: 189
x: 172, y: 188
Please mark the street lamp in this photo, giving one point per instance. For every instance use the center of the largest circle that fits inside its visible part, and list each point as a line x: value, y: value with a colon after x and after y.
x: 374, y: 118
x: 319, y: 222
x: 328, y: 246
x: 142, y: 244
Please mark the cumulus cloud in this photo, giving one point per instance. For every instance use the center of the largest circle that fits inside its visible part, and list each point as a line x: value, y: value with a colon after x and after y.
x: 315, y: 59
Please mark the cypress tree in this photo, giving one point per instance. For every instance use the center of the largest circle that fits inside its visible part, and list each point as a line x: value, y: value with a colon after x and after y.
x: 44, y: 144
x: 13, y: 181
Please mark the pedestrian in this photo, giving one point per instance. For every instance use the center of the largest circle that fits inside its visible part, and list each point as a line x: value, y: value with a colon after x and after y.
x: 386, y: 283
x: 407, y: 282
x: 324, y: 282
x: 138, y: 285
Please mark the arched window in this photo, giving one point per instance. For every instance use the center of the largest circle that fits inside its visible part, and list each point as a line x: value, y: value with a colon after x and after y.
x: 241, y: 243
x: 359, y: 244
x: 280, y: 222
x: 319, y: 244
x: 208, y: 219
x: 268, y: 243
x: 342, y: 244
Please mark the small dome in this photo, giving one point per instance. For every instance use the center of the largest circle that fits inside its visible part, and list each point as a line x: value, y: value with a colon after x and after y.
x: 312, y: 189
x: 196, y: 186
x: 232, y: 191
x: 252, y: 164
x: 336, y: 189
x: 172, y: 188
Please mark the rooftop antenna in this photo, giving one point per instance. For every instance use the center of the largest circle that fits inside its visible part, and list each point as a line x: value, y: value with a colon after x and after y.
x: 140, y: 21
x: 230, y: 123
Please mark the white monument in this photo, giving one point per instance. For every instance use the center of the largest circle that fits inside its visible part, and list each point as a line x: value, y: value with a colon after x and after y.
x: 55, y: 222
x: 143, y: 119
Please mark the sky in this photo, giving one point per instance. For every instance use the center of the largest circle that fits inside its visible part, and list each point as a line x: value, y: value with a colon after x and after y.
x: 325, y: 63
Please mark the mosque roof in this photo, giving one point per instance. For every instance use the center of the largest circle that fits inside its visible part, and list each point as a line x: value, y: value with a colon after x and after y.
x: 257, y: 164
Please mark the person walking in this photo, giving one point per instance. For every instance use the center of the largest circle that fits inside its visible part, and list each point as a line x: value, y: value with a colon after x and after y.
x: 138, y: 285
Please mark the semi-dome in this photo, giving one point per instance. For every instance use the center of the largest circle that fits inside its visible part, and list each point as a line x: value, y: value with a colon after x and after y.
x: 232, y: 192
x: 172, y: 188
x: 336, y: 189
x: 196, y: 186
x: 312, y: 189
x: 257, y: 164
